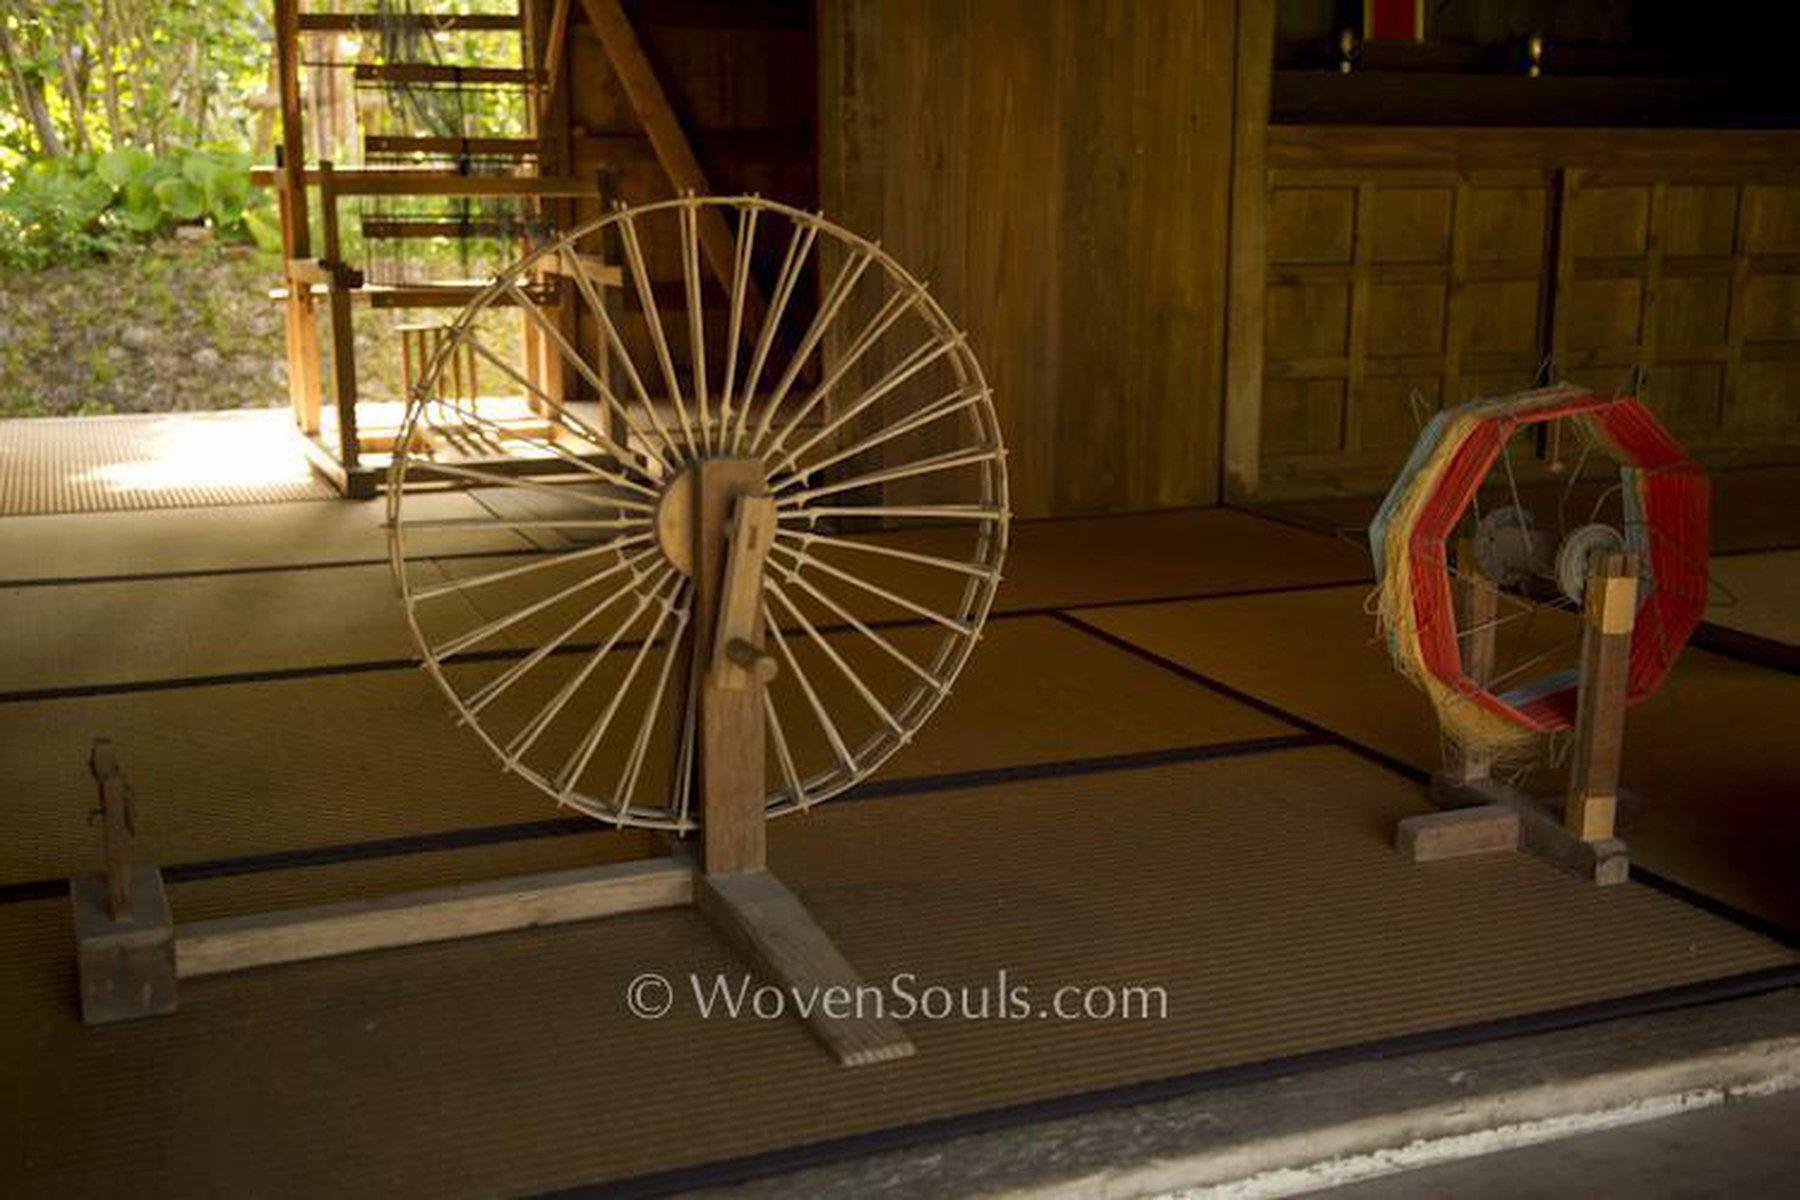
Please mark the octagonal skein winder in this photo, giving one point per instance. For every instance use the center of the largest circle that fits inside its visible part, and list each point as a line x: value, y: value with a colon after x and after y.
x: 1637, y: 585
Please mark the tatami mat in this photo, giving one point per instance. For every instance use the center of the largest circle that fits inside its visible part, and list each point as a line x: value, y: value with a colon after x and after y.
x: 261, y: 767
x: 89, y: 635
x: 1712, y: 755
x: 1758, y: 594
x: 157, y: 460
x: 98, y: 634
x: 228, y: 538
x: 508, y: 1065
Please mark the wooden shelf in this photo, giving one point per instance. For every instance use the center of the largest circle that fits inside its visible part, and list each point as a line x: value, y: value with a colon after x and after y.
x: 452, y: 295
x: 439, y: 73
x: 496, y: 147
x: 1415, y: 98
x: 375, y: 23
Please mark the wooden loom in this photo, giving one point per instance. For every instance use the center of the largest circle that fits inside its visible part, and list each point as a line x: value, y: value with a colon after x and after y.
x: 720, y: 526
x: 537, y: 171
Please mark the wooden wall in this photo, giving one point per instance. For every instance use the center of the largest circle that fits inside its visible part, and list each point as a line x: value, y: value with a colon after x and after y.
x: 1408, y: 269
x: 1058, y: 170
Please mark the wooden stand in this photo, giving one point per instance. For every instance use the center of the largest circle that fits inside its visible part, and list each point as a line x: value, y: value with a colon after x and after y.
x: 131, y: 953
x: 1486, y: 815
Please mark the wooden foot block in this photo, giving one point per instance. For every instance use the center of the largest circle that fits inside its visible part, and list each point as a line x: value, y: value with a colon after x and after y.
x: 126, y: 967
x: 1541, y: 832
x: 1458, y: 833
x: 759, y: 916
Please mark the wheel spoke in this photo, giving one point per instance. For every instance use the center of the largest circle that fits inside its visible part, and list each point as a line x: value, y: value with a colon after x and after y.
x: 540, y: 721
x: 481, y: 633
x: 908, y: 367
x: 467, y: 523
x: 577, y: 763
x: 947, y: 512
x: 794, y: 577
x: 924, y: 466
x: 877, y: 590
x: 783, y: 754
x: 476, y: 475
x: 807, y: 538
x: 937, y: 410
x: 690, y: 271
x: 623, y: 456
x: 799, y: 246
x: 846, y: 760
x: 640, y: 744
x: 569, y: 353
x: 616, y: 343
x: 538, y: 564
x: 640, y: 277
x: 896, y: 306
x: 740, y: 279
x: 818, y: 639
x: 490, y: 691
x: 841, y: 286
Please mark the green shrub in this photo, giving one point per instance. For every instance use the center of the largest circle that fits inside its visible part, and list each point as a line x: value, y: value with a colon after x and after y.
x: 80, y: 207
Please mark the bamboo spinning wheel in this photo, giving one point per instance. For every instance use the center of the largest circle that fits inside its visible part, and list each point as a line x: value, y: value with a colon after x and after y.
x: 793, y: 370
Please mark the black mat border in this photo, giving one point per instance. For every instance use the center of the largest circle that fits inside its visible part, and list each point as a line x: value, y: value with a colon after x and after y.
x: 905, y: 1137
x: 491, y: 835
x: 367, y: 666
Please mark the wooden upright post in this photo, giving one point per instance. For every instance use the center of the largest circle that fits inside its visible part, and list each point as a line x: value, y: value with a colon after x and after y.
x: 731, y: 782
x: 115, y: 828
x: 296, y: 235
x: 733, y: 523
x: 1478, y: 606
x: 1610, y: 606
x: 343, y: 328
x: 124, y: 933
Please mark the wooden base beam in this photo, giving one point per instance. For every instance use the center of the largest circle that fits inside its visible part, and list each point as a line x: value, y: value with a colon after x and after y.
x: 1458, y: 833
x: 436, y: 915
x: 1541, y: 831
x: 769, y: 926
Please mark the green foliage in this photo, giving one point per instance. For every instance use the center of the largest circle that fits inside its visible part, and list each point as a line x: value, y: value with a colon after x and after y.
x: 86, y: 205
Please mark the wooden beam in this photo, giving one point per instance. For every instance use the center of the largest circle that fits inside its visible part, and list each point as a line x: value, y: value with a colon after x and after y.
x: 438, y: 182
x: 651, y: 105
x: 497, y: 147
x: 1247, y: 266
x: 768, y: 925
x: 1606, y: 861
x: 1610, y: 610
x: 116, y: 827
x: 440, y: 73
x: 1478, y: 609
x: 430, y: 22
x: 730, y: 782
x: 1458, y: 833
x: 343, y: 328
x: 439, y: 914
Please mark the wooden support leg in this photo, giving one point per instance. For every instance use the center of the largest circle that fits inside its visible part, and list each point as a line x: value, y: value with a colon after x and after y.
x: 124, y: 933
x: 731, y: 781
x: 1611, y: 611
x: 1478, y: 605
x: 733, y: 525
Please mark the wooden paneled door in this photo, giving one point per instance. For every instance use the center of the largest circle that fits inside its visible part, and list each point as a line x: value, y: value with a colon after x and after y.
x: 1395, y: 290
x: 1685, y: 287
x: 1389, y: 292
